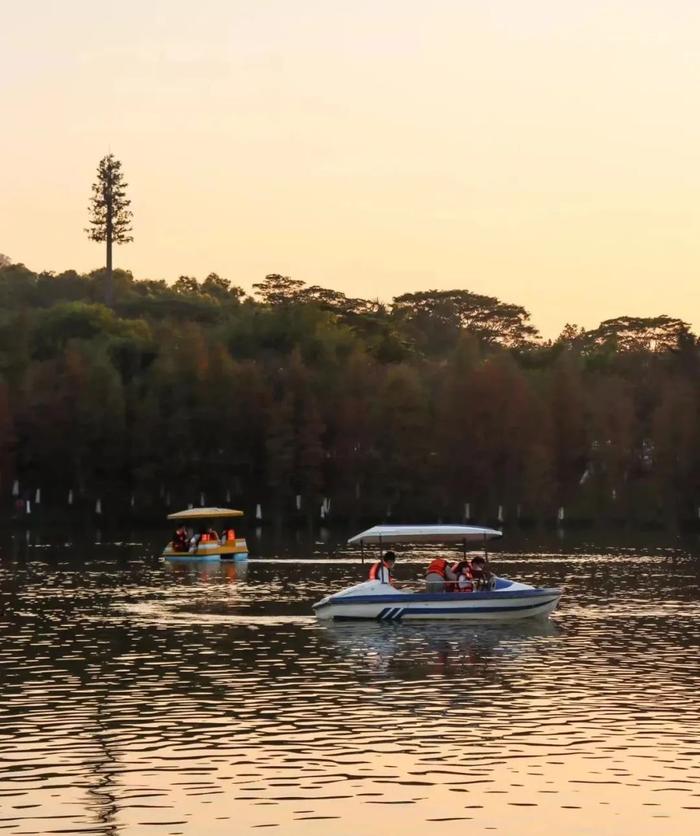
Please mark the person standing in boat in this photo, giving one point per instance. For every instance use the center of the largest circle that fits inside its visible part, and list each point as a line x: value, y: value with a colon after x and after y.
x: 383, y: 570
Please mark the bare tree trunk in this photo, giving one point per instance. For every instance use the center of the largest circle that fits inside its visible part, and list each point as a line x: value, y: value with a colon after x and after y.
x: 108, y: 286
x: 109, y: 292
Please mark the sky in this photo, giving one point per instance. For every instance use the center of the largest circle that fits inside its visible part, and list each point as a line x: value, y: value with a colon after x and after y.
x: 544, y: 152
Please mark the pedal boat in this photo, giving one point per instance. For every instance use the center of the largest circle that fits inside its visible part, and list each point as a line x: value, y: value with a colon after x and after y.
x: 507, y: 601
x: 233, y: 549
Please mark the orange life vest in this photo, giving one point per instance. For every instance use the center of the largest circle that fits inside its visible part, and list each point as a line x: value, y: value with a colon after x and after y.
x: 438, y: 567
x: 230, y: 536
x: 204, y: 538
x: 374, y: 571
x: 461, y: 586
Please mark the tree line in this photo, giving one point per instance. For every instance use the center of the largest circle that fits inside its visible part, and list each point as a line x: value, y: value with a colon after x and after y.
x: 309, y: 403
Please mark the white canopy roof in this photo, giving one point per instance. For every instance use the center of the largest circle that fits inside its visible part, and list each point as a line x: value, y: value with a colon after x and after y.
x: 204, y: 513
x: 425, y: 534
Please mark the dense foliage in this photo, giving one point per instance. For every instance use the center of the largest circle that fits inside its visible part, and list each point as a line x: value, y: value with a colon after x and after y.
x: 443, y: 405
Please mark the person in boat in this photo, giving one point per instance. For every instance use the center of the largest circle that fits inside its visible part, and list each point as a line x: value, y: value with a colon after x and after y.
x: 480, y: 574
x: 228, y: 535
x: 439, y: 577
x: 180, y: 541
x: 383, y: 570
x: 200, y: 537
x: 463, y: 583
x: 207, y: 535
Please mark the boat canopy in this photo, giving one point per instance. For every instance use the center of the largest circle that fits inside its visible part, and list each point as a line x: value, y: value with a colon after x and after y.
x: 381, y: 534
x: 204, y: 513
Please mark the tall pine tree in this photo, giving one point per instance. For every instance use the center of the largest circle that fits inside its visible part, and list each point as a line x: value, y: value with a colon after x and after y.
x: 110, y: 215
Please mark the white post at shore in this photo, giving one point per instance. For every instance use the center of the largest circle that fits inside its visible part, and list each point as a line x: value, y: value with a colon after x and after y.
x: 28, y: 507
x: 98, y: 506
x: 560, y: 514
x: 228, y: 496
x: 202, y: 500
x: 258, y: 512
x: 500, y: 513
x: 37, y: 497
x: 70, y: 496
x: 467, y: 511
x: 298, y: 502
x: 15, y: 488
x: 133, y: 502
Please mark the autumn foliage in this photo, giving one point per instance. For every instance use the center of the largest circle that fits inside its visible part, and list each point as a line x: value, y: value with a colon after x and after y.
x: 441, y: 405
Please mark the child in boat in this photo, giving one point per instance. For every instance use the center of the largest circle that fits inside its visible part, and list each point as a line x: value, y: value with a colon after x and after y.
x: 464, y: 582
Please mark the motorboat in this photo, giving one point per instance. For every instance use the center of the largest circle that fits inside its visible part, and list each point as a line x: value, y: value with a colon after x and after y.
x: 202, y: 542
x: 504, y: 600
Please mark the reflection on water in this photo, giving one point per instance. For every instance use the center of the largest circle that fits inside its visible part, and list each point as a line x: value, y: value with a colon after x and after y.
x: 140, y: 697
x: 427, y: 648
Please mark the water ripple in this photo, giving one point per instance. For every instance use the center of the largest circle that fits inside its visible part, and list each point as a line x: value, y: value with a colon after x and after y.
x: 142, y: 698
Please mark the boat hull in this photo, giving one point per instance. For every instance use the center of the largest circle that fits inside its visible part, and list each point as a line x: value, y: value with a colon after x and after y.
x: 474, y: 606
x: 210, y: 552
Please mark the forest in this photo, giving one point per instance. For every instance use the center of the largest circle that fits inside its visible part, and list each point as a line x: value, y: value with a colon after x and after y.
x: 441, y: 405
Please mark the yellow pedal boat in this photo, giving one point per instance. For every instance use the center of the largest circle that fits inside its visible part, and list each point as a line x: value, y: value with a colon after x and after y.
x: 198, y: 540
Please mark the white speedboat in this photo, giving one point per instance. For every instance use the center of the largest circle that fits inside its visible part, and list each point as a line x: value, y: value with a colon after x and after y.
x: 506, y: 600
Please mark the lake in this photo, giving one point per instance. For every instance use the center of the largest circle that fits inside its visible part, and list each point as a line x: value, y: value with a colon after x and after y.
x: 144, y: 698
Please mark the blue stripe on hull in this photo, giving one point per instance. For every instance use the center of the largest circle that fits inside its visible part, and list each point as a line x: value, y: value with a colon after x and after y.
x: 437, y: 597
x: 406, y: 613
x: 390, y: 614
x: 409, y: 611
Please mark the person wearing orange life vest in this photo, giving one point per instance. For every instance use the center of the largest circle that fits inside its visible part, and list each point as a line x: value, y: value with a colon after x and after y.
x: 382, y: 570
x: 462, y: 572
x: 439, y: 577
x: 464, y: 582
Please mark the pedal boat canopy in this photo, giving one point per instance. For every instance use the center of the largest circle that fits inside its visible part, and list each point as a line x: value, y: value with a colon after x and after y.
x: 204, y: 514
x: 385, y: 534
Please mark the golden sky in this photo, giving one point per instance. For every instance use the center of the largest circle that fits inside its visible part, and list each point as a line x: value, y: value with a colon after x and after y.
x: 541, y: 151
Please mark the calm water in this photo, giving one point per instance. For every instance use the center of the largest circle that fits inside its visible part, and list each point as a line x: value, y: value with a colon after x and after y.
x: 139, y: 698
